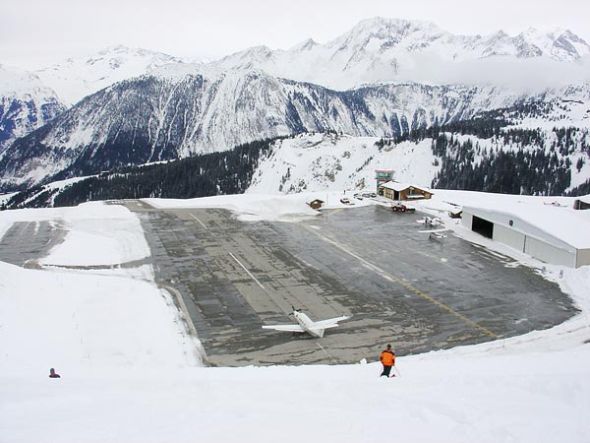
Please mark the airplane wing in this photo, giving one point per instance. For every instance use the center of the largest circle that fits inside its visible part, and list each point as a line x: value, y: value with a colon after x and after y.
x: 285, y: 328
x: 329, y: 323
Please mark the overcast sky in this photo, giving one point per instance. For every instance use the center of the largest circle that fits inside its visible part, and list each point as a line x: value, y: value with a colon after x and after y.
x: 36, y: 32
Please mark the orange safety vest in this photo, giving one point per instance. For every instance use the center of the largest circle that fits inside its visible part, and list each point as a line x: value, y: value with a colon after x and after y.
x: 387, y: 358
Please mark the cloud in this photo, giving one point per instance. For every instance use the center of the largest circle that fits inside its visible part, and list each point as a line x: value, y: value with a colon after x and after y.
x: 532, y: 74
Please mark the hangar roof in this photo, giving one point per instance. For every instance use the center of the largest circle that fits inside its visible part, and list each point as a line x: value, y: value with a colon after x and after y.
x: 551, y: 222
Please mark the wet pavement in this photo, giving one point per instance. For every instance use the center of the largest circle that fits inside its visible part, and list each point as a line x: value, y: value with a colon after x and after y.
x: 26, y: 242
x: 400, y: 286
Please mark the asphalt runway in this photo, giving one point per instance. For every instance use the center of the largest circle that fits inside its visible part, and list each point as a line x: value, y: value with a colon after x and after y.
x: 400, y: 286
x: 25, y: 242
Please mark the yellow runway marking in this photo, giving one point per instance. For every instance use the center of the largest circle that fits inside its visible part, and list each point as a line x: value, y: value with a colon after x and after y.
x: 406, y: 285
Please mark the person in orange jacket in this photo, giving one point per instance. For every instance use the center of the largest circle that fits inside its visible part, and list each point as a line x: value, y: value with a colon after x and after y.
x: 387, y: 359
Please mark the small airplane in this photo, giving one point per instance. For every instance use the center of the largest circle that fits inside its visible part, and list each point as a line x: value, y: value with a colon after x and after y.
x: 306, y: 324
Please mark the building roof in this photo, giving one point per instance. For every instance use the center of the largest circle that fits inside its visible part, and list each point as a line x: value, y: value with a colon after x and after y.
x: 396, y: 186
x: 555, y: 224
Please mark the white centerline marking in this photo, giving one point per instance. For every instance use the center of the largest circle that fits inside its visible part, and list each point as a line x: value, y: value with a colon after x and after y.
x: 248, y: 272
x: 200, y: 222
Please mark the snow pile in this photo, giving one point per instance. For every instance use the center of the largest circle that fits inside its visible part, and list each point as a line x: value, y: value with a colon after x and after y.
x: 247, y: 207
x: 89, y: 243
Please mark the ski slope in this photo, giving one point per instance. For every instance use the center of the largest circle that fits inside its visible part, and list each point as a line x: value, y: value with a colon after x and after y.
x: 130, y: 372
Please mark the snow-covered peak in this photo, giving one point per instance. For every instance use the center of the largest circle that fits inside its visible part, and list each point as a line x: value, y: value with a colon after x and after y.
x: 380, y: 34
x: 75, y: 78
x: 381, y: 50
x: 249, y: 58
x: 559, y: 44
x: 305, y: 45
x: 22, y: 84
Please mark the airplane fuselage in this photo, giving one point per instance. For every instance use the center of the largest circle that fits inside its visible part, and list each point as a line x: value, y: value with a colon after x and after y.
x: 306, y: 323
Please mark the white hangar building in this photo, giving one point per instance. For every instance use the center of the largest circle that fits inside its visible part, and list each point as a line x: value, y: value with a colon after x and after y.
x: 554, y: 235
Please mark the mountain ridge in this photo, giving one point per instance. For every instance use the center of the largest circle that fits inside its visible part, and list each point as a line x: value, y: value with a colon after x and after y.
x: 150, y: 118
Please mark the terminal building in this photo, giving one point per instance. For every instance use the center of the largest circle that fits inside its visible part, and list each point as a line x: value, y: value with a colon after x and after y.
x: 403, y: 191
x: 559, y: 236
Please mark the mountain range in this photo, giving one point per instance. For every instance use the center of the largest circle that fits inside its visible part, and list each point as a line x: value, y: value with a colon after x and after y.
x: 385, y: 50
x: 383, y: 78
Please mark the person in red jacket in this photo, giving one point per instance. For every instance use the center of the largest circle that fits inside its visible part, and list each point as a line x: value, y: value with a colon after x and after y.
x: 387, y: 359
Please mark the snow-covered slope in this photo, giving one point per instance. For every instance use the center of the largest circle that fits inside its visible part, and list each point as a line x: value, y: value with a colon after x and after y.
x: 158, y: 118
x: 383, y: 50
x: 75, y: 78
x: 25, y: 105
x: 319, y: 162
x: 125, y: 358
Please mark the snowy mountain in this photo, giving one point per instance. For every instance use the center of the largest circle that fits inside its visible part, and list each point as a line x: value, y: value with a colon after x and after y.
x: 165, y: 109
x: 25, y: 105
x: 384, y: 50
x: 76, y: 78
x: 154, y: 118
x: 482, y: 154
x: 375, y: 50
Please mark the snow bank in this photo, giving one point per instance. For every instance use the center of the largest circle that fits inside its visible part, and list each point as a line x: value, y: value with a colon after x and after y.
x: 79, y: 323
x: 98, y: 234
x: 91, y: 241
x: 125, y: 363
x: 270, y: 207
x: 84, y: 321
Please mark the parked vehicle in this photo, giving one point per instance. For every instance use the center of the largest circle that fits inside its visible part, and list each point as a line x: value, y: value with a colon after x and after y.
x: 345, y: 200
x: 400, y: 207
